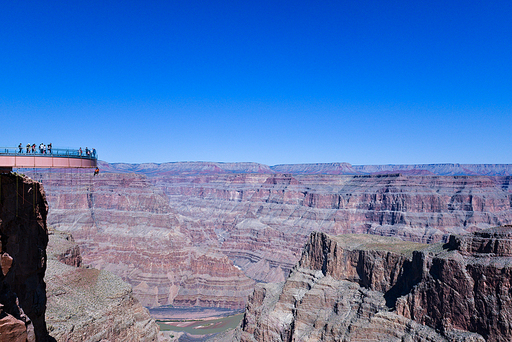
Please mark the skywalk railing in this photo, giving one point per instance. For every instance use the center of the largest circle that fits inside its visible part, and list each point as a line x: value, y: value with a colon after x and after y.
x: 54, y: 152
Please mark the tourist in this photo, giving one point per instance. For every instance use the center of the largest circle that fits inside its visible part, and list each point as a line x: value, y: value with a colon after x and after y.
x: 28, y: 148
x: 96, y: 171
x: 93, y: 152
x: 41, y: 146
x: 50, y: 148
x: 21, y: 148
x: 80, y: 152
x: 33, y: 148
x: 87, y: 152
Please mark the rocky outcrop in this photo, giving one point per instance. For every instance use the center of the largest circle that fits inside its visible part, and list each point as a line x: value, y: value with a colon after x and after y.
x: 468, y: 287
x: 23, y: 237
x: 86, y: 304
x: 62, y: 247
x: 369, y: 288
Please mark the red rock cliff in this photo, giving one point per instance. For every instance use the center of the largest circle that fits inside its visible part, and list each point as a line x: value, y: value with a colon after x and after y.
x: 467, y: 287
x: 167, y: 233
x: 125, y: 225
x: 360, y: 288
x: 23, y: 236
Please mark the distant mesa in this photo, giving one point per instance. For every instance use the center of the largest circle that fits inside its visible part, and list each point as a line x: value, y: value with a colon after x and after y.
x: 199, y: 167
x: 319, y: 168
x: 186, y: 167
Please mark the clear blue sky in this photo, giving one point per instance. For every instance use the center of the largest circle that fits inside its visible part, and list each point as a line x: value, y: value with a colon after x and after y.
x: 274, y: 82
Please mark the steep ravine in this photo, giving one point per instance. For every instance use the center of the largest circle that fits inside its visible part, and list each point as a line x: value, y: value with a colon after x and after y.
x: 44, y: 290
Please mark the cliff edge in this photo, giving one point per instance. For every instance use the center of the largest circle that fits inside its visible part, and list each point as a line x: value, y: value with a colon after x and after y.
x: 23, y: 241
x: 78, y: 303
x: 372, y: 288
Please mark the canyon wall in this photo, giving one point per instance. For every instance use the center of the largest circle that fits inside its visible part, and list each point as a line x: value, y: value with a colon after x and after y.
x: 23, y: 241
x: 370, y: 288
x: 86, y: 304
x: 43, y: 287
x: 125, y: 225
x: 447, y: 169
x: 183, y: 235
x: 262, y: 221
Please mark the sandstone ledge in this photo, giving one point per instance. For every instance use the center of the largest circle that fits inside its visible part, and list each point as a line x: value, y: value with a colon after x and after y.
x: 493, y: 241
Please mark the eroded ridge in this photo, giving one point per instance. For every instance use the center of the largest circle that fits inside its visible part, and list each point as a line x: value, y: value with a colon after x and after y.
x: 372, y: 288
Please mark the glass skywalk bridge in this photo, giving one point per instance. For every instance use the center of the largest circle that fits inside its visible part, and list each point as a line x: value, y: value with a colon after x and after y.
x: 14, y: 157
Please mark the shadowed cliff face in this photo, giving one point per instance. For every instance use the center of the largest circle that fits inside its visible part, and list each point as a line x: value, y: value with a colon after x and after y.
x: 175, y: 237
x: 466, y: 287
x: 23, y: 236
x: 362, y: 288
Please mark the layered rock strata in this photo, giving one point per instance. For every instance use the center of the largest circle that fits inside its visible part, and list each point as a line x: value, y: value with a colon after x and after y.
x: 468, y: 287
x: 185, y: 237
x: 447, y: 169
x: 86, y: 304
x: 125, y: 225
x: 262, y: 221
x: 23, y: 240
x: 369, y: 288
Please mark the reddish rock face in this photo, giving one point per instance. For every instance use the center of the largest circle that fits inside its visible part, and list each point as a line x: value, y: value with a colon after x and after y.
x: 154, y: 229
x: 12, y: 329
x: 125, y: 225
x: 88, y: 304
x: 361, y: 288
x: 468, y: 287
x: 23, y: 237
x: 262, y: 221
